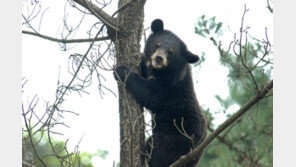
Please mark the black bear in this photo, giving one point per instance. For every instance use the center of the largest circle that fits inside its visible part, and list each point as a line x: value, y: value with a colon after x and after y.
x: 166, y: 89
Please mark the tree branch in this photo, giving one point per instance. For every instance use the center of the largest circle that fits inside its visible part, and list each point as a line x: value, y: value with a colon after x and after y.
x: 269, y: 7
x: 64, y: 40
x: 192, y: 154
x: 99, y: 13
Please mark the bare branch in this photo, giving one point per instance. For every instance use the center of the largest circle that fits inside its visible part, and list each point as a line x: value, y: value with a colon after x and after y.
x: 31, y: 138
x: 192, y: 154
x: 183, y: 131
x: 242, y: 54
x: 64, y: 40
x: 269, y: 7
x: 59, y: 99
x: 99, y: 13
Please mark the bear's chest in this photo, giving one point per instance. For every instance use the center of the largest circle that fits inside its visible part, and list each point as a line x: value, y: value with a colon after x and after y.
x: 174, y: 99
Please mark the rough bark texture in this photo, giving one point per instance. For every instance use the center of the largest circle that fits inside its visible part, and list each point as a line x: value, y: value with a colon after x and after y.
x: 127, y: 45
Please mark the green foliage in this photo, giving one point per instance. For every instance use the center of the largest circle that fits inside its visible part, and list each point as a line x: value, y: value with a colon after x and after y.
x: 202, y: 59
x: 207, y: 27
x: 248, y: 142
x: 59, y: 157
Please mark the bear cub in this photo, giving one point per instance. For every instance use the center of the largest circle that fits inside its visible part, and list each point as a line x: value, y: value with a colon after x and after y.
x: 165, y: 87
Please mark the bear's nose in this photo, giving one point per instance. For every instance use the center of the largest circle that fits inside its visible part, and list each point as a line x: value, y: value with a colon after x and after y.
x: 158, y: 59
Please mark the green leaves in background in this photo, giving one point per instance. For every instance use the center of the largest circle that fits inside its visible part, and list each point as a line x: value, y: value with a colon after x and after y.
x: 248, y: 142
x: 209, y: 26
x: 59, y: 157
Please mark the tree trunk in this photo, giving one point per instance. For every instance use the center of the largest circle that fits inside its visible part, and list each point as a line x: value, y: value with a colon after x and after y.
x: 127, y: 48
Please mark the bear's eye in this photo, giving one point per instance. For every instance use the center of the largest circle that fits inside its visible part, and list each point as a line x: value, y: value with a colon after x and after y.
x: 157, y: 45
x: 170, y: 52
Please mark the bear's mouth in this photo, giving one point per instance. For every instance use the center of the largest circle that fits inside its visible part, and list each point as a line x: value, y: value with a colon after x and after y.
x: 159, y: 59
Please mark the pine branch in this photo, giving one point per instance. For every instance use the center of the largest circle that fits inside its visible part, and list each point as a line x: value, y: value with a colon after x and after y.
x: 99, y: 13
x: 193, y: 154
x: 64, y: 40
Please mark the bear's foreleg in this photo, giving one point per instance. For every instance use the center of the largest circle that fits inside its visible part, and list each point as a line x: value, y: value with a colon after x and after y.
x: 143, y: 90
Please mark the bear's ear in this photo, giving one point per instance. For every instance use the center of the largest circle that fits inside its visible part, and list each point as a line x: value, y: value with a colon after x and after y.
x: 157, y: 25
x: 190, y: 57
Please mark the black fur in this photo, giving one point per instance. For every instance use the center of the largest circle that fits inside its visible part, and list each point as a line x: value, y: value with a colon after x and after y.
x: 157, y: 25
x: 169, y: 94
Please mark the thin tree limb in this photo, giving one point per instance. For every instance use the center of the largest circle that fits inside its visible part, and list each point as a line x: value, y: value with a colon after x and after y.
x: 59, y: 99
x: 31, y: 139
x: 99, y: 13
x: 64, y: 40
x: 269, y: 7
x: 192, y: 154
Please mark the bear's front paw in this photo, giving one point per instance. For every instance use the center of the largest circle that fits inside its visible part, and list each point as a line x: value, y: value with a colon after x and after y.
x: 121, y: 72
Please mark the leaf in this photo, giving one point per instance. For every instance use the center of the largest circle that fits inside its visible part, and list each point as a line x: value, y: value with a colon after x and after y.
x: 219, y: 25
x: 213, y: 24
x: 202, y: 17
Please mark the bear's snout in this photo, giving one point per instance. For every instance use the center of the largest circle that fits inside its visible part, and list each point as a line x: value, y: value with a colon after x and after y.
x: 158, y: 59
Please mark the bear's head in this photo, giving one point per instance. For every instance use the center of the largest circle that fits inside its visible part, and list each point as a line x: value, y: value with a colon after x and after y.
x: 165, y: 51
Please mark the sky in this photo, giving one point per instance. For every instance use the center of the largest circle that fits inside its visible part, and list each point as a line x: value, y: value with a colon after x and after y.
x: 98, y: 122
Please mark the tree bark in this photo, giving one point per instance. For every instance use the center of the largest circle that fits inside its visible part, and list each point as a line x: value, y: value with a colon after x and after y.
x: 126, y: 31
x: 127, y: 48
